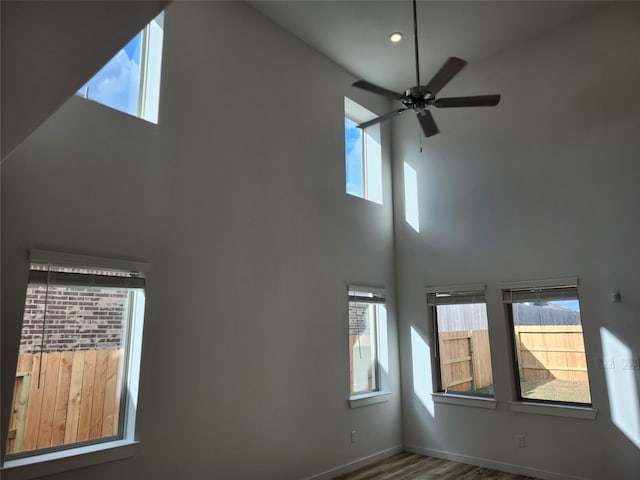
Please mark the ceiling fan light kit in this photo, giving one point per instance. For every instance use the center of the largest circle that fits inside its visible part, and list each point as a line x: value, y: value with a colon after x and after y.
x: 421, y: 97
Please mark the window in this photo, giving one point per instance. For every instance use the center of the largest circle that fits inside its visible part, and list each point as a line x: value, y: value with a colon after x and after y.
x: 78, y: 362
x: 363, y: 153
x: 548, y: 343
x: 368, y: 362
x: 130, y: 82
x: 459, y: 316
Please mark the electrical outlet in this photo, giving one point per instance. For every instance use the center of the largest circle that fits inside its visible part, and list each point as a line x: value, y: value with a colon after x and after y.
x: 520, y: 441
x: 353, y: 436
x: 606, y: 362
x: 631, y: 363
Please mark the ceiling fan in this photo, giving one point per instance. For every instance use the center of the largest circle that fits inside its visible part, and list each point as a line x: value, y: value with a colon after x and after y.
x: 421, y: 97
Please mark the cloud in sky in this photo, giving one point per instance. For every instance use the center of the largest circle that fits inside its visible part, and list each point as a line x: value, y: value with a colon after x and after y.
x: 116, y: 84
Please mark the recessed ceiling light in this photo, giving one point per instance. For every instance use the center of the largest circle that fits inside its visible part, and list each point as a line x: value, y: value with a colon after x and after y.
x: 395, y: 37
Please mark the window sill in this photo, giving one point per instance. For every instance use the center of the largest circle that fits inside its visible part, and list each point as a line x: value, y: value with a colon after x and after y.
x: 465, y: 400
x: 364, y: 399
x: 56, y: 462
x: 586, y: 413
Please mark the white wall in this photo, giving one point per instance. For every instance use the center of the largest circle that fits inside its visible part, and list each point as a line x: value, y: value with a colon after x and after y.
x: 544, y: 185
x: 237, y: 199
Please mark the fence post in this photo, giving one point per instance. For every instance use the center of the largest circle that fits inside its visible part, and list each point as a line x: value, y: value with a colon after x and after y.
x: 473, y: 372
x: 23, y: 386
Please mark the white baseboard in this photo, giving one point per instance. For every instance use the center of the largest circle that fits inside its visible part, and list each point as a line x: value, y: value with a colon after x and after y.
x: 347, y: 467
x: 483, y: 462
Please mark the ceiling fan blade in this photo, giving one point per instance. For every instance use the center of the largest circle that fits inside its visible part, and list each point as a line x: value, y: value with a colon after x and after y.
x: 476, y: 101
x: 364, y: 85
x: 427, y: 123
x: 382, y: 118
x: 449, y: 70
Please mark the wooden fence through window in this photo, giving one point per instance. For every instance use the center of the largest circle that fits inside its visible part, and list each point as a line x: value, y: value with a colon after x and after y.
x: 544, y: 352
x: 74, y: 397
x: 465, y: 363
x: 551, y: 351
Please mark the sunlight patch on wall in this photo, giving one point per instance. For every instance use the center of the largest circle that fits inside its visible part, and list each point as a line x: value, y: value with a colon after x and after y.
x: 411, y: 213
x: 383, y: 354
x: 622, y: 386
x: 421, y: 363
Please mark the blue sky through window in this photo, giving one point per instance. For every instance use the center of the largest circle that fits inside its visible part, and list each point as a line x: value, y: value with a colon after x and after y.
x: 117, y: 83
x: 570, y: 304
x: 353, y: 146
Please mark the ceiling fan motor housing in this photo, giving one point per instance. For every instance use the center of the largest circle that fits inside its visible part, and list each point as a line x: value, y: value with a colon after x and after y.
x: 418, y: 98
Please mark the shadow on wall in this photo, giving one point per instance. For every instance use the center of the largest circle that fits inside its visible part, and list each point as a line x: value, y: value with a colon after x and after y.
x: 623, y: 385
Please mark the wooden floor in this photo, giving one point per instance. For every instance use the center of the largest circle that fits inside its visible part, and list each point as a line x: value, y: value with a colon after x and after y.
x: 408, y: 466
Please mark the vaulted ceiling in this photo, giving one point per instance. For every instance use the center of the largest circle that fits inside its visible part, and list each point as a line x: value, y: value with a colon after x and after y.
x: 355, y: 34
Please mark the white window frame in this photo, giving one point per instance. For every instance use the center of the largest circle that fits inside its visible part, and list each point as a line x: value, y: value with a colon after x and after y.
x: 150, y: 69
x: 548, y: 289
x: 371, y: 141
x: 64, y: 458
x: 376, y: 296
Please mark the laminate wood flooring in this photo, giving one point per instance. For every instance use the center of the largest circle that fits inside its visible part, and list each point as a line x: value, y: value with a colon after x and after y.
x: 409, y: 466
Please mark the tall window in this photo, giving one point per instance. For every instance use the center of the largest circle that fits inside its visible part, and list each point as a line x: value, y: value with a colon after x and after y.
x: 549, y: 347
x: 363, y: 153
x: 130, y: 82
x: 459, y: 317
x: 78, y: 362
x: 367, y: 340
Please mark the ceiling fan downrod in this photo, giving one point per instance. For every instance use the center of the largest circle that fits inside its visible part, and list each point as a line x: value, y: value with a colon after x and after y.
x: 415, y: 43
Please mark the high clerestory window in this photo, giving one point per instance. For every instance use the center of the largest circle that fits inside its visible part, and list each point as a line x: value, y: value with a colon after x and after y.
x: 130, y: 82
x: 363, y: 153
x: 78, y: 363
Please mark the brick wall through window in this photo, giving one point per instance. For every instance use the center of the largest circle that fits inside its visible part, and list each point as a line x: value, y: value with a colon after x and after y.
x: 78, y: 318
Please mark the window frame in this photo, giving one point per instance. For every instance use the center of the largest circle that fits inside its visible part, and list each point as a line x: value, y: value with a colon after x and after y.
x: 60, y: 458
x: 150, y: 69
x: 363, y: 158
x: 456, y: 295
x: 377, y: 298
x: 553, y: 289
x: 359, y: 114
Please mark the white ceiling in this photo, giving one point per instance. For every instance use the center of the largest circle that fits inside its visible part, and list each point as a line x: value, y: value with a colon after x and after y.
x: 355, y: 34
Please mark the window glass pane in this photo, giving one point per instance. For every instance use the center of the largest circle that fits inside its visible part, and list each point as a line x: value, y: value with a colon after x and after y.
x: 363, y: 153
x: 70, y: 366
x: 130, y: 81
x: 363, y: 347
x: 463, y: 348
x: 353, y: 146
x: 550, y: 350
x: 117, y: 84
